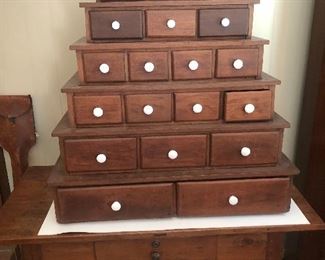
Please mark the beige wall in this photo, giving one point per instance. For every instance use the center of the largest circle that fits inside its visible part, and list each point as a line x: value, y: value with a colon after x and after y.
x: 34, y: 58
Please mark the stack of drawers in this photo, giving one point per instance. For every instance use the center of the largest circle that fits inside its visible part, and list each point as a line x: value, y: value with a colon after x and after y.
x: 170, y: 114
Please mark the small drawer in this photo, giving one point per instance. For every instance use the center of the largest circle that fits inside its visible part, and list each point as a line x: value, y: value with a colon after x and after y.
x: 192, y: 64
x: 115, y: 202
x: 234, y: 197
x: 224, y: 22
x: 253, y: 148
x: 97, y: 110
x: 173, y: 151
x: 171, y: 23
x: 100, y: 154
x: 248, y: 105
x: 237, y: 63
x: 115, y: 24
x: 102, y: 67
x: 148, y: 108
x: 197, y: 106
x: 148, y: 66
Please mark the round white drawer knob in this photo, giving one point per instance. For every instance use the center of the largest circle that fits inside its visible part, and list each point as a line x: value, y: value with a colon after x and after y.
x: 233, y: 200
x: 245, y: 151
x: 172, y: 154
x: 116, y: 25
x: 197, y: 108
x: 104, y: 68
x: 116, y: 206
x: 101, y: 158
x: 171, y: 24
x: 98, y: 112
x: 225, y: 22
x: 148, y: 110
x: 193, y: 65
x: 238, y: 64
x: 149, y: 67
x: 249, y: 108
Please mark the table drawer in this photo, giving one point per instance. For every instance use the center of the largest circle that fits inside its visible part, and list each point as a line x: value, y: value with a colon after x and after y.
x: 100, y: 154
x: 237, y: 63
x: 253, y: 148
x: 148, y: 108
x: 224, y: 22
x: 97, y: 110
x: 192, y: 64
x: 104, y: 67
x: 197, y: 106
x: 115, y: 202
x: 171, y: 23
x: 148, y: 66
x: 173, y: 151
x: 248, y: 105
x: 234, y: 197
x: 115, y: 24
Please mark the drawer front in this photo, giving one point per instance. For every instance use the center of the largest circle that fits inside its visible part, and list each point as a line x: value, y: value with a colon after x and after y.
x: 116, y: 202
x: 256, y: 196
x: 248, y: 105
x: 224, y: 22
x: 237, y: 63
x: 148, y: 66
x: 102, y: 67
x: 197, y: 106
x: 171, y: 23
x: 115, y: 24
x: 97, y: 109
x: 100, y: 154
x: 231, y: 149
x: 192, y: 64
x: 173, y: 151
x: 148, y: 108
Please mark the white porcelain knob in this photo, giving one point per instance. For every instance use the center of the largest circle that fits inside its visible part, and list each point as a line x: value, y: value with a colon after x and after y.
x: 116, y: 25
x: 193, y: 65
x: 172, y: 154
x: 98, y: 112
x: 238, y: 64
x: 149, y: 67
x: 148, y: 110
x: 245, y: 151
x: 104, y: 68
x: 249, y: 108
x: 197, y: 108
x: 116, y: 206
x: 101, y: 158
x: 233, y: 200
x: 171, y: 24
x: 225, y: 22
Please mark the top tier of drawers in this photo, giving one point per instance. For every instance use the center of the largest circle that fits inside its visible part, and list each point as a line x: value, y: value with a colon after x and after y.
x: 154, y: 20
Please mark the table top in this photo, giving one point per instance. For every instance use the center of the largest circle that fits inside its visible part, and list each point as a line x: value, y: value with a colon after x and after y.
x: 23, y: 214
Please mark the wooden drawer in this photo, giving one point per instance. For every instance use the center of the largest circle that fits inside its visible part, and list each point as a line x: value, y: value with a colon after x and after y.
x: 148, y: 108
x: 234, y: 197
x: 171, y: 23
x: 97, y: 109
x: 115, y: 202
x: 104, y: 67
x: 224, y: 22
x: 248, y: 105
x: 253, y: 148
x: 115, y: 24
x: 192, y: 64
x: 197, y: 106
x: 173, y: 151
x: 237, y: 63
x: 148, y: 66
x: 86, y: 155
